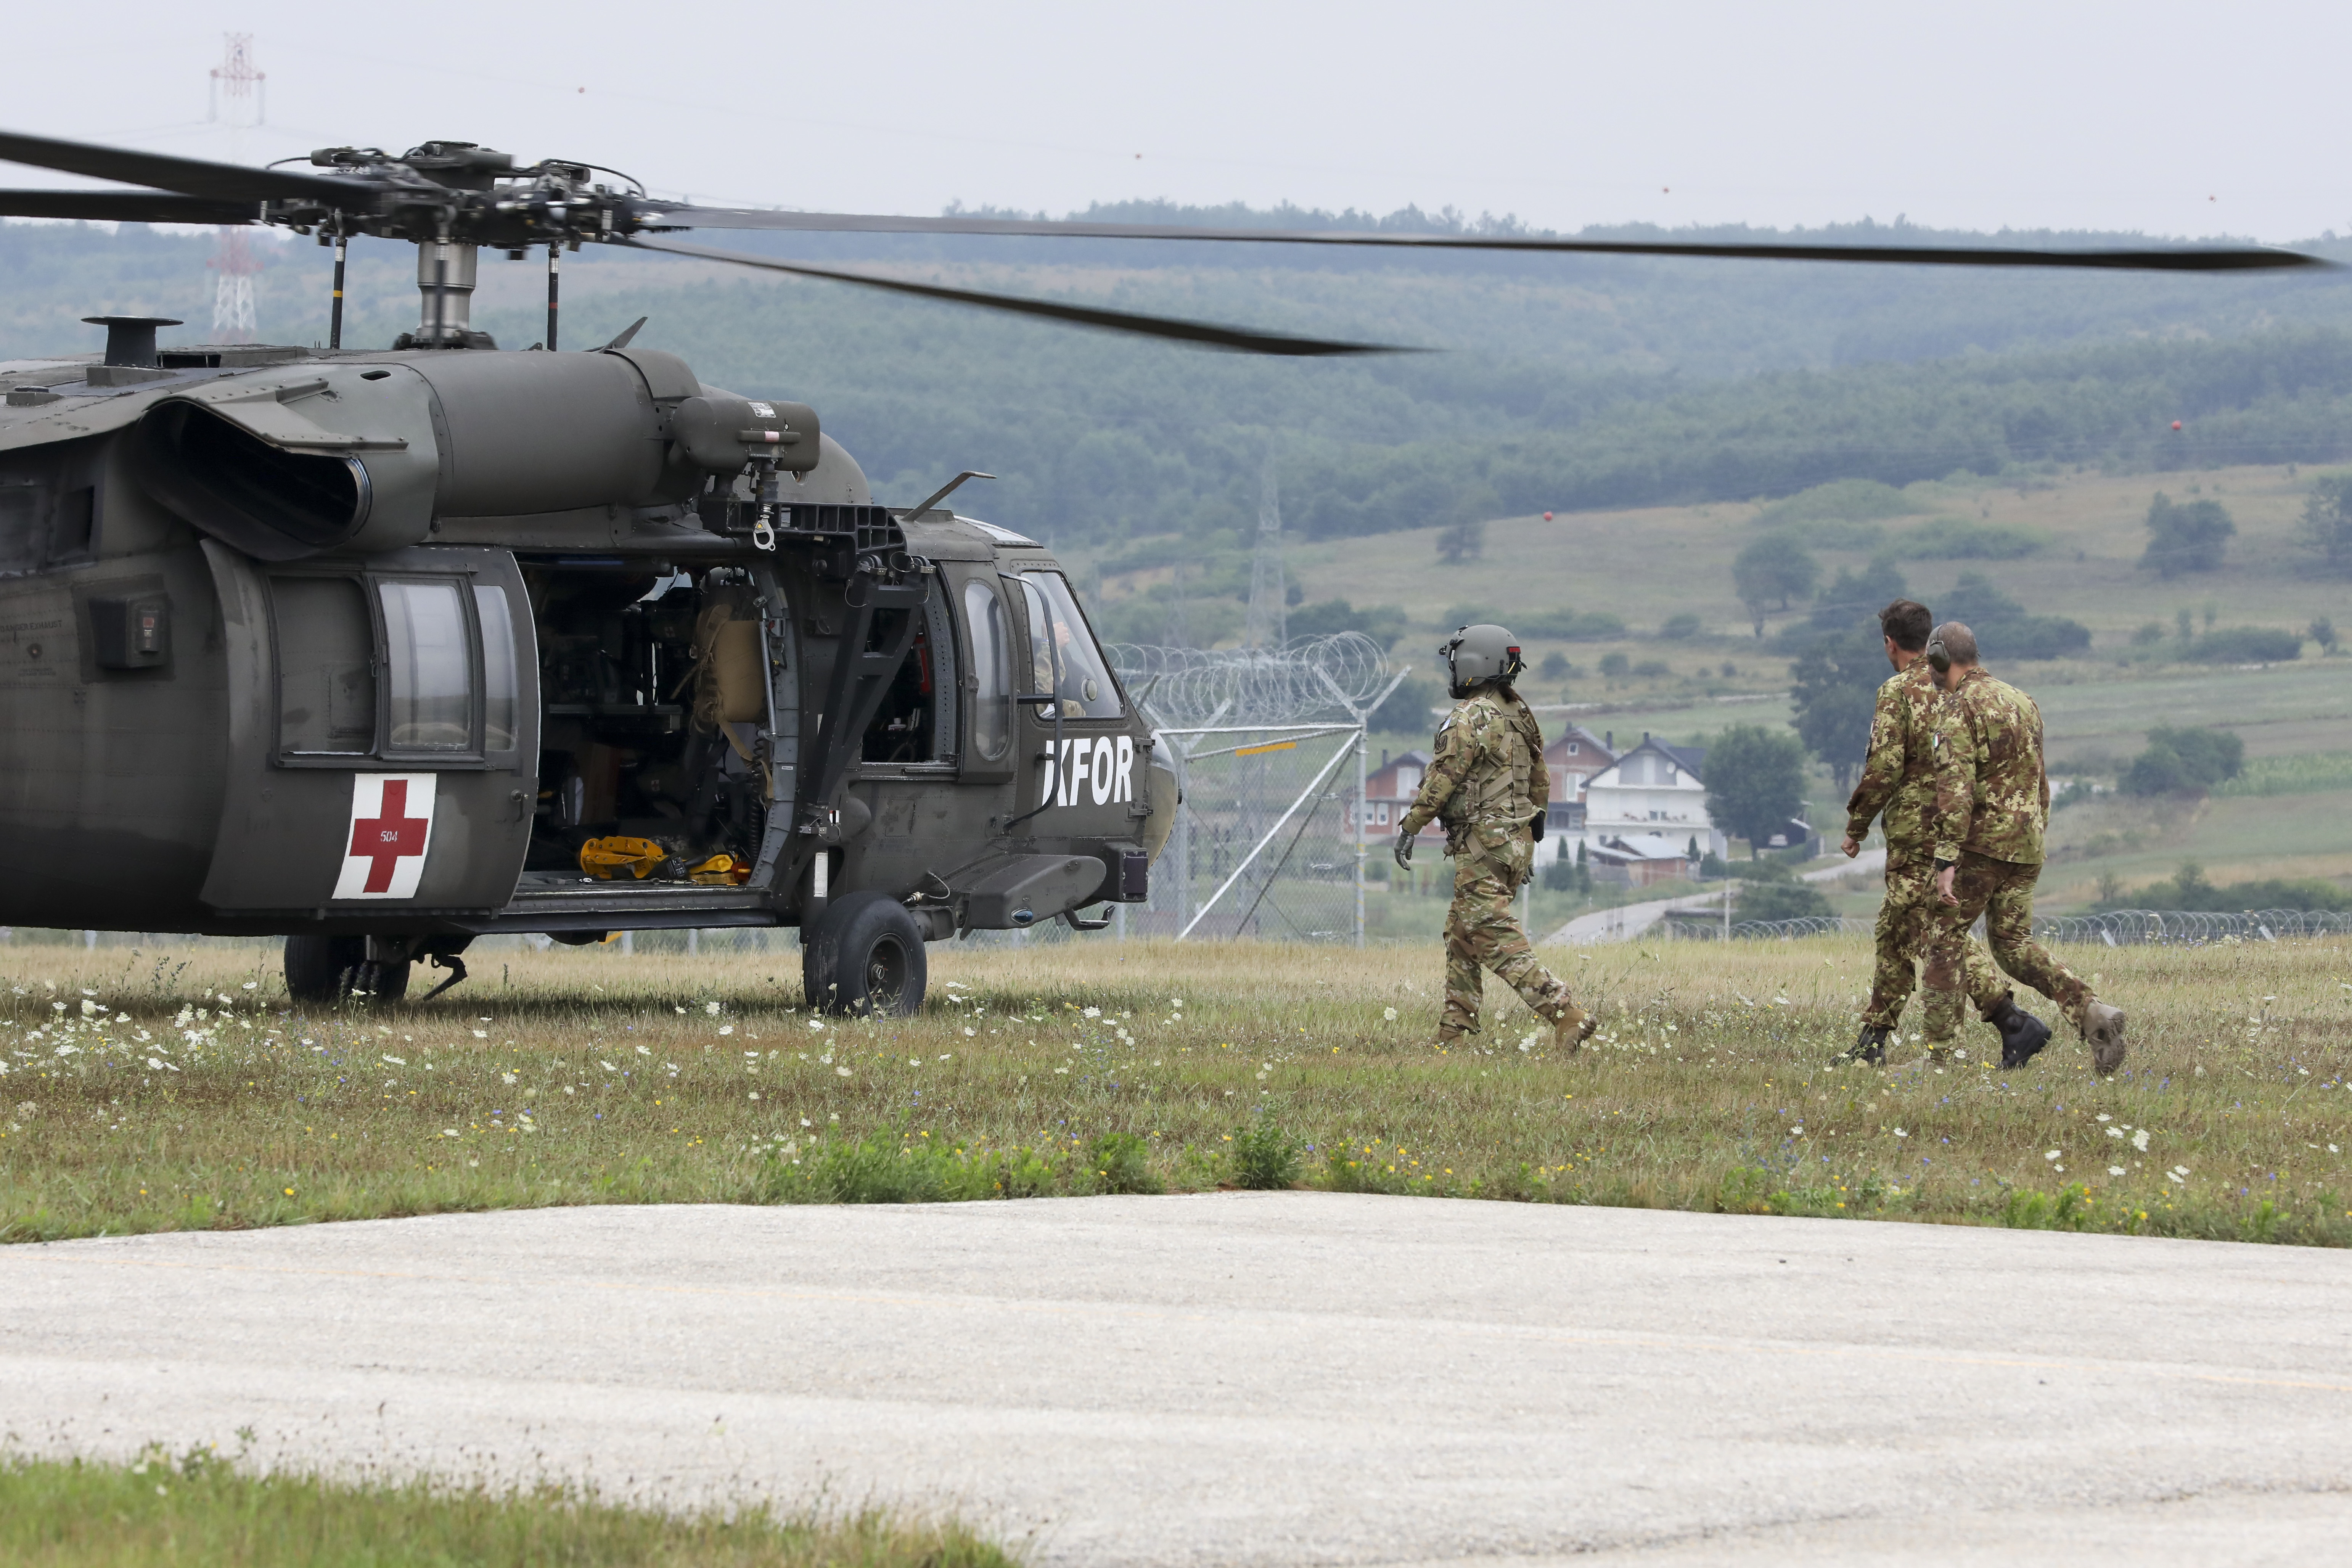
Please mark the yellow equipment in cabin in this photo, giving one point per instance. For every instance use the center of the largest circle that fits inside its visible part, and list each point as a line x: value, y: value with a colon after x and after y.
x: 607, y: 858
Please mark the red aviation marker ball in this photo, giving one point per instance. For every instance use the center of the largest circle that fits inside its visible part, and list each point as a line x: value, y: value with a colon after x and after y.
x: 2176, y: 425
x: 1546, y: 517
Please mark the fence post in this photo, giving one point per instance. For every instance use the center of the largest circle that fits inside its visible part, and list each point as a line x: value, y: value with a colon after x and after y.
x: 1362, y: 810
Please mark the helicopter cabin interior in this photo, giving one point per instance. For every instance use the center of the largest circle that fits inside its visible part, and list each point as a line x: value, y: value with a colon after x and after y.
x: 656, y: 687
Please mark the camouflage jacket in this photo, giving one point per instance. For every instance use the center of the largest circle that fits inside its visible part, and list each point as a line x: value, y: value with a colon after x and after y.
x: 1991, y: 793
x: 1898, y: 776
x: 1488, y: 773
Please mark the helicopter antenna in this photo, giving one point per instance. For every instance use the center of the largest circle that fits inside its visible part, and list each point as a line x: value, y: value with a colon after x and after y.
x: 946, y: 491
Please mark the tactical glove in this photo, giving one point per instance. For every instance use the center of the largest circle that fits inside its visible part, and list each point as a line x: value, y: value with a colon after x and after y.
x: 1405, y: 849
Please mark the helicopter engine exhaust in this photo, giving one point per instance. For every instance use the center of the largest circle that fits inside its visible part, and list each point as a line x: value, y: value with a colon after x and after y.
x: 366, y: 455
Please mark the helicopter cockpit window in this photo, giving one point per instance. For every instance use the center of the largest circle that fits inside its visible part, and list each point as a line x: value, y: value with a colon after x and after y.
x: 991, y: 668
x: 429, y: 699
x: 1063, y: 658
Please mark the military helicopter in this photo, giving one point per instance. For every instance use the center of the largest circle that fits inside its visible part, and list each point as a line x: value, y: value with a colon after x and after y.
x: 385, y: 650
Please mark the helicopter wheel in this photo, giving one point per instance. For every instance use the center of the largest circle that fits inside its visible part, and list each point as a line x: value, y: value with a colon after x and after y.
x: 324, y: 971
x: 866, y: 955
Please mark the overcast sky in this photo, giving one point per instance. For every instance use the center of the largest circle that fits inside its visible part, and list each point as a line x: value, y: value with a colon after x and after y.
x: 2174, y: 118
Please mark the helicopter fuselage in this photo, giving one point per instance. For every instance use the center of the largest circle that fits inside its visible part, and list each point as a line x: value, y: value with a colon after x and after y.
x: 418, y: 647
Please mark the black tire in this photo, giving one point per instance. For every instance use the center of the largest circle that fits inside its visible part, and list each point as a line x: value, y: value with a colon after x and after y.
x: 326, y: 971
x: 866, y: 955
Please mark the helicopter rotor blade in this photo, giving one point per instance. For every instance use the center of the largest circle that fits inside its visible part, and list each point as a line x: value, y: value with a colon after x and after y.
x: 125, y: 207
x: 1205, y: 333
x: 2156, y: 258
x: 188, y: 177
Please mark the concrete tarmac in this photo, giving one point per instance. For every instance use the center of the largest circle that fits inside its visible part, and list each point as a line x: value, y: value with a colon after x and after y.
x: 1259, y: 1378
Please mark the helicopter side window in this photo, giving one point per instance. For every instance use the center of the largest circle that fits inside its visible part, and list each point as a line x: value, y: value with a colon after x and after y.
x: 326, y: 676
x: 501, y: 680
x: 429, y: 695
x: 1063, y: 658
x: 991, y: 669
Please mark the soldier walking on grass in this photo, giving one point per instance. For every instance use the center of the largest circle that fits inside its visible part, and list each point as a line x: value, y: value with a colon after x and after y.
x: 1992, y: 803
x: 1490, y: 787
x: 1898, y: 786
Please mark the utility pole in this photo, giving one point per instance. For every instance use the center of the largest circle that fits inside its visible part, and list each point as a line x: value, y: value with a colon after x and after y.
x: 1269, y: 605
x: 238, y: 102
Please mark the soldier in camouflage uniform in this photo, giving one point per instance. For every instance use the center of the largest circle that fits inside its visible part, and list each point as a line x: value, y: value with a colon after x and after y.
x: 1898, y: 786
x: 1490, y: 787
x: 1992, y: 803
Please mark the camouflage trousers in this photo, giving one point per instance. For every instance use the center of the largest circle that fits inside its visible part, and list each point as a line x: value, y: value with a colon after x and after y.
x: 2002, y: 892
x: 1903, y: 926
x: 1481, y: 932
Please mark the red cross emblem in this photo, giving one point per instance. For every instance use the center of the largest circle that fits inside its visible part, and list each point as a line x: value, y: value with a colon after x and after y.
x: 392, y: 826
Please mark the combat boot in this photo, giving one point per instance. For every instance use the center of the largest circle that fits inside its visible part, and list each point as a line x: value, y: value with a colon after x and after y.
x: 1869, y: 1047
x: 2103, y: 1030
x: 2022, y: 1034
x: 1571, y: 1029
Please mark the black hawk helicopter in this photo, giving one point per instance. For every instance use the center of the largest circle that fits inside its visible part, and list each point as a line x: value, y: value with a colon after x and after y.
x: 383, y: 651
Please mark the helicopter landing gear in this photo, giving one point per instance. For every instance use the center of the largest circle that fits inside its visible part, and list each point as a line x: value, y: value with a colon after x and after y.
x: 864, y: 955
x: 325, y: 970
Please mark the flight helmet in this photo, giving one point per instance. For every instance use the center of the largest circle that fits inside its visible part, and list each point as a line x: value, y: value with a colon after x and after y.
x: 1475, y: 655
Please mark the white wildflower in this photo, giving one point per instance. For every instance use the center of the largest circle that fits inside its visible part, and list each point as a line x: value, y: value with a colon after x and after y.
x: 645, y: 1050
x: 503, y: 1078
x: 2053, y: 1155
x: 1388, y: 1015
x: 402, y: 1062
x: 2139, y: 1140
x: 1093, y: 1013
x: 2114, y: 1170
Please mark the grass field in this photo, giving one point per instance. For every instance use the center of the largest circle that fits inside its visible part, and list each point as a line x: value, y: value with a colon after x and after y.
x: 138, y: 1098
x: 196, y: 1508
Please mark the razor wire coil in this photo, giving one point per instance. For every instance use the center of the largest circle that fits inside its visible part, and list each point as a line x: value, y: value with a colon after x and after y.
x: 1301, y: 681
x: 2116, y: 928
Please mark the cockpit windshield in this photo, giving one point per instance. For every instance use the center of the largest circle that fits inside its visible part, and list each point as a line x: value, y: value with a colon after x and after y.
x: 1062, y: 656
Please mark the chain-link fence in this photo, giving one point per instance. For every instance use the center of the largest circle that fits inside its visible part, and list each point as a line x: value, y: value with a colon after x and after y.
x: 1268, y: 745
x: 1264, y: 844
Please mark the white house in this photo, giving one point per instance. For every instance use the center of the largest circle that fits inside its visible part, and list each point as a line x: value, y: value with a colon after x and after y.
x: 1653, y: 789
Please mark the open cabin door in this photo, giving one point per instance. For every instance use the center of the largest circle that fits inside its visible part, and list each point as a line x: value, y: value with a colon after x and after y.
x: 384, y: 734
